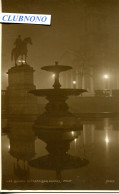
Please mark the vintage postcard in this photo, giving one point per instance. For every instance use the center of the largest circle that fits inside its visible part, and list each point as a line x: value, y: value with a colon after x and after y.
x: 60, y: 95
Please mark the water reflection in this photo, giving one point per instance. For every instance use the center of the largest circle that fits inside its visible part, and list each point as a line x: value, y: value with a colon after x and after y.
x: 88, y: 158
x: 57, y: 145
x: 22, y: 145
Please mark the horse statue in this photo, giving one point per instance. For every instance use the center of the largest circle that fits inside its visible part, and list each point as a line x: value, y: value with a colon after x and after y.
x: 20, y: 49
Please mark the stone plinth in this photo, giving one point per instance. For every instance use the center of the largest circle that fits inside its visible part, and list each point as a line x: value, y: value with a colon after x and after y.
x: 20, y: 82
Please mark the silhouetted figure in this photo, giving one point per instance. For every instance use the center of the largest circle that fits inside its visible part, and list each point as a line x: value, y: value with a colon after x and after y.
x: 18, y: 43
x: 20, y: 49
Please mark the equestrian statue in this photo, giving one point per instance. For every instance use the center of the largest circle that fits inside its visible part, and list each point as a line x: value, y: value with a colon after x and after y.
x: 20, y: 49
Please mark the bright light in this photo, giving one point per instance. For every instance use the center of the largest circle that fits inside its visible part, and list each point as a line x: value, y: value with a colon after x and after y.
x: 9, y: 147
x: 74, y: 82
x: 106, y: 139
x: 75, y: 140
x: 106, y: 76
x: 72, y: 132
x: 53, y: 75
x: 21, y: 61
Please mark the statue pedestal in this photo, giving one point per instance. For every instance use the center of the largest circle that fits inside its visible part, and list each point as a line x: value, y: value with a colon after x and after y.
x: 20, y: 82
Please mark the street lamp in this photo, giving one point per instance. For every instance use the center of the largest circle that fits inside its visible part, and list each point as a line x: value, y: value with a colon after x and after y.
x: 106, y: 81
x: 106, y: 76
x: 74, y: 83
x: 107, y: 139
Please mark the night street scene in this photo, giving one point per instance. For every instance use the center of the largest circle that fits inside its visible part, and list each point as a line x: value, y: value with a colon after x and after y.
x: 60, y: 96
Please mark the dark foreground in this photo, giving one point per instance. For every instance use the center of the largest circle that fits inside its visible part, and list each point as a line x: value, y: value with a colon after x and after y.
x: 86, y: 159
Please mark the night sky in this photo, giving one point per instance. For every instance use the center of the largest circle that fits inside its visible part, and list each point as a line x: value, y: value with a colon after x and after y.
x: 81, y: 30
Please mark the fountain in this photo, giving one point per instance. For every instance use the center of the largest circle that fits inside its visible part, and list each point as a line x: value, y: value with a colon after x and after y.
x: 57, y: 116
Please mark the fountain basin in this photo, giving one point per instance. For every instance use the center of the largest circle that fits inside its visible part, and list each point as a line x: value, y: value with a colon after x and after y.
x: 57, y: 115
x: 53, y: 163
x: 56, y: 68
x: 56, y: 92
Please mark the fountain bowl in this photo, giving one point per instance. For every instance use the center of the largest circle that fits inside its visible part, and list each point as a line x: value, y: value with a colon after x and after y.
x: 61, y: 91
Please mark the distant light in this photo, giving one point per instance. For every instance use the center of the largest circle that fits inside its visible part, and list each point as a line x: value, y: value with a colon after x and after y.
x: 9, y: 147
x: 53, y: 75
x: 74, y: 82
x: 61, y: 123
x: 106, y: 76
x: 75, y: 140
x: 106, y: 139
x: 72, y: 132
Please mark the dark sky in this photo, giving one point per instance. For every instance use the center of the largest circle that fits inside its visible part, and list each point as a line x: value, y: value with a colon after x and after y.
x: 81, y: 30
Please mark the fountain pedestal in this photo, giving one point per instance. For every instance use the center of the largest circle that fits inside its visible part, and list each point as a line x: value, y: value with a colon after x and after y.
x: 57, y: 127
x: 57, y: 115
